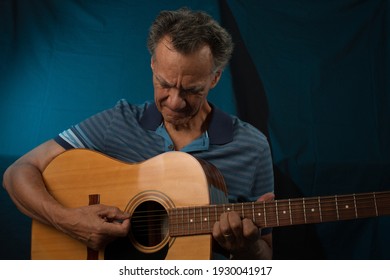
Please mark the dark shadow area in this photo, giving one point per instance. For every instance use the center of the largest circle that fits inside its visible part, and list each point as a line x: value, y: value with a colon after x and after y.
x: 251, y: 101
x: 298, y: 242
x: 294, y: 242
x: 15, y: 230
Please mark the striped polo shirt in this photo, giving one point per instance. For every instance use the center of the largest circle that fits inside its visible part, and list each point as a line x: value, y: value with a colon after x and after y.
x: 134, y: 133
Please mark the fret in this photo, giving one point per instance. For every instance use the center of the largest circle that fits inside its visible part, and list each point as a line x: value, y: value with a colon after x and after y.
x: 271, y: 215
x: 193, y: 219
x: 328, y: 209
x: 197, y: 219
x: 179, y: 219
x: 319, y: 208
x: 314, y: 214
x: 376, y: 206
x: 346, y: 207
x: 366, y: 205
x: 297, y: 211
x: 208, y: 217
x: 354, y: 204
x: 173, y: 219
x: 227, y: 208
x: 215, y: 213
x: 182, y: 222
x: 283, y: 212
x: 186, y: 219
x: 189, y: 220
x: 253, y: 213
x: 259, y: 213
x: 201, y: 218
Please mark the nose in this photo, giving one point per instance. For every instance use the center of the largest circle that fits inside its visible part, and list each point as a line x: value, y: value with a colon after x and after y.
x: 175, y: 101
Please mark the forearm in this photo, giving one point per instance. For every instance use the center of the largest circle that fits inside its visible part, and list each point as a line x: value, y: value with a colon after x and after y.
x: 90, y: 224
x: 24, y: 182
x: 25, y: 186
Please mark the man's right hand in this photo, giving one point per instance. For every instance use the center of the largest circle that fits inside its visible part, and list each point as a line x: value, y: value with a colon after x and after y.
x: 94, y: 225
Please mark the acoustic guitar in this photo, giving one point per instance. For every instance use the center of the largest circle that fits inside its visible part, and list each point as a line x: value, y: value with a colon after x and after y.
x: 172, y: 211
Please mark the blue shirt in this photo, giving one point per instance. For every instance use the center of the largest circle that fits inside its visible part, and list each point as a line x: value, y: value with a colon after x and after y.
x: 134, y: 133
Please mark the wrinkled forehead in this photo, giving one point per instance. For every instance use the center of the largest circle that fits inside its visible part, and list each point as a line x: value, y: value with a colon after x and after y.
x: 166, y: 55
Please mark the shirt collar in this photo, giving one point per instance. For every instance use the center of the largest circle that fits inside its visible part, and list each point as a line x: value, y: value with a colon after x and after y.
x: 220, y: 129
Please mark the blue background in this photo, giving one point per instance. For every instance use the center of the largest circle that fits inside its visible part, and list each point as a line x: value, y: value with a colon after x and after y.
x: 322, y: 68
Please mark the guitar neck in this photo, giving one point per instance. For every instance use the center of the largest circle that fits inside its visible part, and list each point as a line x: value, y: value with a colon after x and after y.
x: 200, y: 219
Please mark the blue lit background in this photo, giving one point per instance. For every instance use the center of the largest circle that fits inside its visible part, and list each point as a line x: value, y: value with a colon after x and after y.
x: 323, y: 67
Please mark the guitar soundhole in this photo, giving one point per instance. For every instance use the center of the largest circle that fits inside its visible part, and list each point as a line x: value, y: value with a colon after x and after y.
x: 148, y: 237
x: 149, y: 224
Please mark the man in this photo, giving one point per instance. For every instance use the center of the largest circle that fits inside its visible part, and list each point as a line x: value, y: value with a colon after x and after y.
x: 188, y: 53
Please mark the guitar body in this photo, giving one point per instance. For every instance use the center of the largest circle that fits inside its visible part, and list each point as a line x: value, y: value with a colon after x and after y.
x: 169, y: 180
x: 174, y: 200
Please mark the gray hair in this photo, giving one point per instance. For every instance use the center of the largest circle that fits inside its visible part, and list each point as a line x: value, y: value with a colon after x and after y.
x: 189, y: 31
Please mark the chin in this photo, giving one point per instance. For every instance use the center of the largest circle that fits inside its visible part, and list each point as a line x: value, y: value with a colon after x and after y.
x: 176, y: 121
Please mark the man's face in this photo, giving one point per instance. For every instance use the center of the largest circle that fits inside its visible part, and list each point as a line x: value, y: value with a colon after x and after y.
x: 182, y: 82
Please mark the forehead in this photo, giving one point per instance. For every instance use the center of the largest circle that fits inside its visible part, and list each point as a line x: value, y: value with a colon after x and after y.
x: 173, y: 63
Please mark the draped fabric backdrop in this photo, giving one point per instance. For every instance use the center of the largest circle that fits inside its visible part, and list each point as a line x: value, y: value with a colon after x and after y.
x: 312, y: 75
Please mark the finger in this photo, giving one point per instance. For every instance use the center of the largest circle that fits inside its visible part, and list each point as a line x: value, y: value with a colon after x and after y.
x: 235, y: 225
x: 217, y: 233
x: 224, y: 225
x: 116, y: 229
x: 114, y: 222
x: 249, y: 230
x: 221, y: 231
x: 112, y: 213
x: 267, y: 197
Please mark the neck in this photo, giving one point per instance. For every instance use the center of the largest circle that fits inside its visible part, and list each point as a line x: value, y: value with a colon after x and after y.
x: 184, y: 134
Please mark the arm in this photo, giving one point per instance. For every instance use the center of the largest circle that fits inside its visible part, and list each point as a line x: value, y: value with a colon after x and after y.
x: 241, y: 237
x: 91, y: 224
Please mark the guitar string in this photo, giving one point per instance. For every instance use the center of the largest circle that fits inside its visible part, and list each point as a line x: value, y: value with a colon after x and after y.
x: 271, y: 204
x: 165, y: 217
x: 270, y: 220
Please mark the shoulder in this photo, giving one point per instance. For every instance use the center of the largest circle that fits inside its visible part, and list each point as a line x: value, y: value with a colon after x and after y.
x: 129, y: 112
x: 122, y: 111
x: 124, y: 106
x: 247, y: 133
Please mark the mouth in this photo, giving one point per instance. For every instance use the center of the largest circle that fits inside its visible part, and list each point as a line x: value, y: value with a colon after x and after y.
x: 176, y: 117
x: 175, y: 113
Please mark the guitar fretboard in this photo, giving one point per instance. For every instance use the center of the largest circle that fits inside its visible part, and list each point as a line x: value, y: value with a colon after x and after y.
x: 200, y: 219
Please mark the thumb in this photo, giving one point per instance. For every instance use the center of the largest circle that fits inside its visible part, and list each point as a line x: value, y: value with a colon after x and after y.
x: 113, y: 213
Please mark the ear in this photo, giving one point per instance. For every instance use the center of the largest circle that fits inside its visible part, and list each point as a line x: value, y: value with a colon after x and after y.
x: 152, y: 61
x: 216, y: 78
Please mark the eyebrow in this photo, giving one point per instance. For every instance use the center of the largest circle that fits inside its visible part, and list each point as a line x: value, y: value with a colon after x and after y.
x: 163, y: 82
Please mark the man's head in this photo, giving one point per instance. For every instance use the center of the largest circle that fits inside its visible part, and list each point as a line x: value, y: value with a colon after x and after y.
x: 189, y: 31
x: 189, y: 51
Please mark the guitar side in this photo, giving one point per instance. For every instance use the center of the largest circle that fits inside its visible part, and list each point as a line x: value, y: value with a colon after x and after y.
x: 173, y: 179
